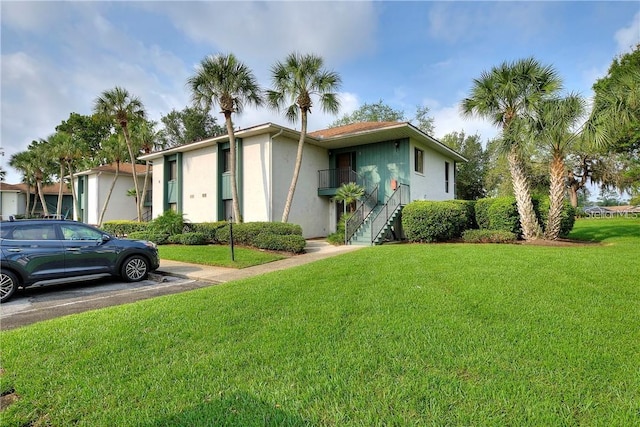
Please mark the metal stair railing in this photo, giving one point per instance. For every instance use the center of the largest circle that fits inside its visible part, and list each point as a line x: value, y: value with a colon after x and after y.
x: 361, y: 214
x: 399, y: 198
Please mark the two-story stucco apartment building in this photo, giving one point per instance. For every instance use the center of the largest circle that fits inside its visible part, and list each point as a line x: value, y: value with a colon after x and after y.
x: 386, y: 158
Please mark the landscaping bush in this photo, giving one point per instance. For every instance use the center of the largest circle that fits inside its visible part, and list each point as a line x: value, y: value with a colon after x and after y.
x: 503, y: 215
x: 122, y: 228
x: 157, y: 238
x: 192, y: 238
x: 488, y: 236
x: 427, y: 221
x: 209, y: 229
x: 337, y: 238
x: 482, y: 212
x: 568, y: 215
x: 470, y: 212
x: 293, y: 243
x: 246, y: 233
x: 170, y: 222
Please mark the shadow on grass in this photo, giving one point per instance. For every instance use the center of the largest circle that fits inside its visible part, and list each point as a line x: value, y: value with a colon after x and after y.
x: 237, y: 409
x: 599, y: 230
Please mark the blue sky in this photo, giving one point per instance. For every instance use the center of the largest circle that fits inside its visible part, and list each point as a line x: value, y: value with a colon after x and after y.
x: 57, y: 57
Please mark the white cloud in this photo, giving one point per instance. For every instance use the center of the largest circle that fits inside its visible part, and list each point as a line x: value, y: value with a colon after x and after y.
x: 628, y: 37
x: 448, y: 119
x: 268, y: 30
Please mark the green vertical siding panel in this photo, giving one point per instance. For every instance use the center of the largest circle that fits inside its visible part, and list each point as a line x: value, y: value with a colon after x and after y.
x: 380, y: 163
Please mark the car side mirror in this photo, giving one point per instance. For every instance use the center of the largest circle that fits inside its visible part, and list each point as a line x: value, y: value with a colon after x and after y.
x: 105, y: 238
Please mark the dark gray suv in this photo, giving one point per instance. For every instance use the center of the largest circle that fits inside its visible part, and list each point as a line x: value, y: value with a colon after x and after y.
x: 44, y: 250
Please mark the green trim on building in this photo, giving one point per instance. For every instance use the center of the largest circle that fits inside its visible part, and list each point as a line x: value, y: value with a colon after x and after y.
x: 224, y: 178
x: 172, y: 191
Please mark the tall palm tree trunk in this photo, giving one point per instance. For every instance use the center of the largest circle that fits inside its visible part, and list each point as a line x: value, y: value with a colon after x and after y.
x: 106, y: 201
x: 61, y: 183
x: 45, y: 209
x: 127, y: 139
x: 556, y: 198
x: 26, y: 212
x: 144, y: 185
x: 297, y: 167
x: 232, y: 168
x: 530, y: 226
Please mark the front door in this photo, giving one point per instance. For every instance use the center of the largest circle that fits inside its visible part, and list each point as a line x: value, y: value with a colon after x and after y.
x: 346, y: 163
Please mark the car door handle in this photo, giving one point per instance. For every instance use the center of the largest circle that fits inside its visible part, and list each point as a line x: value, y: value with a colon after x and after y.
x: 74, y: 249
x: 14, y: 250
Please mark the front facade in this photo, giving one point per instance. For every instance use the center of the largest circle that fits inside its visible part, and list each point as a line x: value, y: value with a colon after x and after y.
x: 383, y: 157
x: 92, y: 189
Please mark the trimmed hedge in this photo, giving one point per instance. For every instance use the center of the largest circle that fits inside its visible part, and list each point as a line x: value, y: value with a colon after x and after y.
x: 293, y: 243
x: 488, y: 236
x: 124, y: 227
x: 568, y: 216
x: 470, y: 212
x: 245, y: 233
x: 501, y: 213
x: 209, y: 229
x: 191, y: 238
x: 428, y: 221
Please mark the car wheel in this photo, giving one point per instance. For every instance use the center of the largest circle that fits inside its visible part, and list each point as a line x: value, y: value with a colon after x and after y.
x: 8, y: 285
x: 135, y: 268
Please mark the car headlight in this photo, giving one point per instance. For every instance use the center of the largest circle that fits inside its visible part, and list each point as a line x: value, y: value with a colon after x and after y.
x: 151, y: 244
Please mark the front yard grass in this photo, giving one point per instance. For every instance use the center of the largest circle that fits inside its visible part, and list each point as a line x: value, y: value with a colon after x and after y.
x: 217, y: 255
x: 445, y: 334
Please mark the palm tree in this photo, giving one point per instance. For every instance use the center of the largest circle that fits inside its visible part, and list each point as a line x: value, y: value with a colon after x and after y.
x: 348, y: 193
x: 552, y: 126
x: 146, y: 139
x: 22, y: 162
x: 227, y: 82
x: 41, y: 162
x: 295, y: 80
x: 58, y: 146
x: 122, y: 108
x: 502, y: 95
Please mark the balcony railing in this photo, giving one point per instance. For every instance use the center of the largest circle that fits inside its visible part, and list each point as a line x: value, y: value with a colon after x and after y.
x: 334, y: 178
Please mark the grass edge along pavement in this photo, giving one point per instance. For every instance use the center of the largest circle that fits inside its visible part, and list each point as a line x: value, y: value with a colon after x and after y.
x: 400, y: 334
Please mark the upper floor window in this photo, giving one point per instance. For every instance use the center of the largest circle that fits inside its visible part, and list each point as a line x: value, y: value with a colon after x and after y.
x: 419, y: 160
x: 446, y: 177
x: 173, y: 170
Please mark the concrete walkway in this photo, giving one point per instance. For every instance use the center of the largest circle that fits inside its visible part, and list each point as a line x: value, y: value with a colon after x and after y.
x: 315, y: 250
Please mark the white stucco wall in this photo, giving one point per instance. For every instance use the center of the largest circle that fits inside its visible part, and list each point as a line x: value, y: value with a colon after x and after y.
x: 121, y: 206
x: 199, y: 185
x: 256, y: 185
x: 309, y: 210
x: 430, y: 185
x: 12, y: 203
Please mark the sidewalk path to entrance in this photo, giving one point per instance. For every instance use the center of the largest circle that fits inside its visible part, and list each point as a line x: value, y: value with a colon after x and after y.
x: 315, y: 250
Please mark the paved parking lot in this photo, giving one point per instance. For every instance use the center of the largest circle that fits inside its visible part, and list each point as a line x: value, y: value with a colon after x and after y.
x: 46, y: 302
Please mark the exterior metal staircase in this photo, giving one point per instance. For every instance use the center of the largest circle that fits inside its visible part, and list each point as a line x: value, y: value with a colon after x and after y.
x: 373, y: 227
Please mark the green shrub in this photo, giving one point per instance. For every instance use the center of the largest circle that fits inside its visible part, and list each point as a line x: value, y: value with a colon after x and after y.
x: 246, y: 233
x: 293, y: 243
x: 169, y: 223
x: 470, y: 213
x: 427, y: 221
x: 192, y: 238
x: 122, y: 228
x: 337, y: 238
x: 175, y: 239
x: 157, y: 238
x: 482, y: 212
x: 488, y: 236
x: 503, y: 215
x: 568, y: 215
x: 209, y: 229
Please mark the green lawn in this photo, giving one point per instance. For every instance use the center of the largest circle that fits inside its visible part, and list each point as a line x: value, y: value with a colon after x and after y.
x: 444, y: 334
x: 218, y: 255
